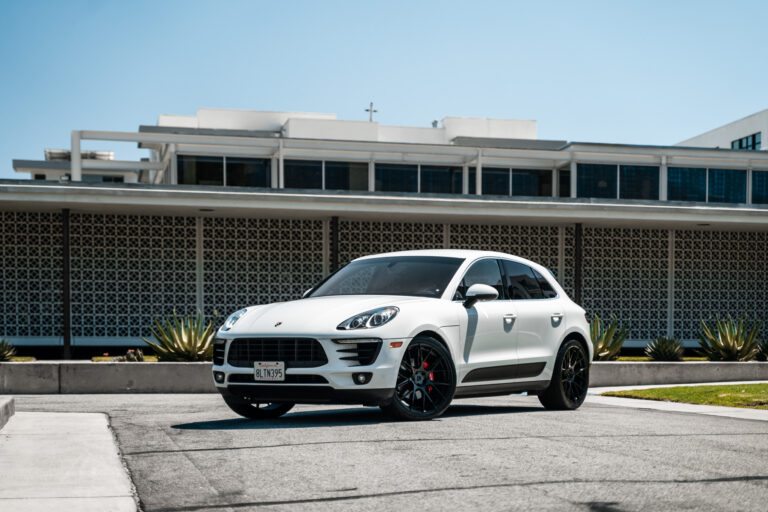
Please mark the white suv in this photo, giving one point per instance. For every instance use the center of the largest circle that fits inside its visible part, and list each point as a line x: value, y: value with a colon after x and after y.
x: 409, y: 332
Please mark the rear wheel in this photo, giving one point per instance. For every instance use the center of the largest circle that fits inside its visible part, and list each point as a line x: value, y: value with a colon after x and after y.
x: 426, y: 381
x: 255, y: 410
x: 570, y: 378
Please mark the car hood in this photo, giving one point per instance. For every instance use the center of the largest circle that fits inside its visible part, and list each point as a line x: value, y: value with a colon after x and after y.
x: 313, y: 315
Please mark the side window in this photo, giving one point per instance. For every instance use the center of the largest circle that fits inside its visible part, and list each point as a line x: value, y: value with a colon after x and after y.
x: 546, y: 288
x: 521, y: 282
x: 483, y: 272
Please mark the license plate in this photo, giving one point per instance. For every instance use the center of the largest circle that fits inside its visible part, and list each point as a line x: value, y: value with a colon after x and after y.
x: 269, y: 371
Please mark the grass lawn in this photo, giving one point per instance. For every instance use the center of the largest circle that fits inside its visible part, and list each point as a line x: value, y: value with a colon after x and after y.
x: 751, y: 396
x: 647, y: 359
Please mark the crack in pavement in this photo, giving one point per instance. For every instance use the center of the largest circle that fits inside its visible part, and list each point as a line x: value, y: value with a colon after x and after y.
x: 192, y: 508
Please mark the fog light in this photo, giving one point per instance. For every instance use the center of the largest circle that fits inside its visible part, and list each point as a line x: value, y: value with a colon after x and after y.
x: 218, y: 377
x: 362, y: 378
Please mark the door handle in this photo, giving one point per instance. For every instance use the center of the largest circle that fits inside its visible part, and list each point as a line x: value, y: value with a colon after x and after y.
x: 508, y: 319
x: 557, y: 315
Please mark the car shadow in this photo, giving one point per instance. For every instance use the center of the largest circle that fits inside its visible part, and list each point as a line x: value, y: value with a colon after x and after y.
x: 341, y: 417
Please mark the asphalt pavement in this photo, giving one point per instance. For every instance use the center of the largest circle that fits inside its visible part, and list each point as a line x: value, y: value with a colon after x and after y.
x: 189, y: 453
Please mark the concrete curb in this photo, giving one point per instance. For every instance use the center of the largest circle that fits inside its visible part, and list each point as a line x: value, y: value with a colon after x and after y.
x: 88, y: 377
x: 616, y: 373
x: 7, y: 409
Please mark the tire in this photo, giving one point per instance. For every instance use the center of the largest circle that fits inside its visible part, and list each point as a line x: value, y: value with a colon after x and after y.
x: 426, y: 382
x: 570, y: 378
x: 255, y: 411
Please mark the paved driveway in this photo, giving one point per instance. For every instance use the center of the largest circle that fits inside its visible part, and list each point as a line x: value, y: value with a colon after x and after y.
x: 190, y: 453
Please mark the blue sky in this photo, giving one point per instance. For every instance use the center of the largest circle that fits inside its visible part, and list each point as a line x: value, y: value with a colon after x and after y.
x: 646, y: 72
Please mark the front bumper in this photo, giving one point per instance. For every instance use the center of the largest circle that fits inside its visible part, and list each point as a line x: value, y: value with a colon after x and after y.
x: 330, y: 383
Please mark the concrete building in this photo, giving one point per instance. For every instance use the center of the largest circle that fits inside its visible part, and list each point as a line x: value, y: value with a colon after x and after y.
x: 232, y: 208
x: 746, y: 133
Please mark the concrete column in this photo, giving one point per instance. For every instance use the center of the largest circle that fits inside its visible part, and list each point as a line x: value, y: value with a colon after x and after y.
x: 749, y: 184
x: 173, y: 167
x: 273, y: 172
x: 555, y: 182
x: 280, y: 167
x: 66, y: 284
x: 465, y: 179
x: 663, y: 179
x: 574, y: 181
x: 479, y: 173
x: 76, y: 167
x: 371, y: 175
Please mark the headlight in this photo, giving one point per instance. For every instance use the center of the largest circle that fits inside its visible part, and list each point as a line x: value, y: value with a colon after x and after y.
x: 232, y: 320
x: 369, y: 319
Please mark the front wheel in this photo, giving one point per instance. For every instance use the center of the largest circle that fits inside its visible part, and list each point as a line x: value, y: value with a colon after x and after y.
x: 426, y: 381
x: 254, y: 410
x: 570, y: 378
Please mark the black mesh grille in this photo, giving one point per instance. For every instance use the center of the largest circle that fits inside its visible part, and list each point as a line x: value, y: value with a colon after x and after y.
x: 289, y: 379
x: 295, y: 352
x: 218, y: 351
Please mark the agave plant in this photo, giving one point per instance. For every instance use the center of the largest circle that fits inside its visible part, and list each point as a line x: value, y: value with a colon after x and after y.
x: 607, y: 340
x: 7, y: 351
x: 664, y: 348
x: 729, y: 340
x: 762, y: 350
x: 184, y: 339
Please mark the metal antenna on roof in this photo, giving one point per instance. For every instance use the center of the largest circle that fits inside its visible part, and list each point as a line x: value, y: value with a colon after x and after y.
x: 370, y: 111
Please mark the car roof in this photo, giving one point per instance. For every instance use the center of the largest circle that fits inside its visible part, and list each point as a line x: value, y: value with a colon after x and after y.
x: 466, y: 254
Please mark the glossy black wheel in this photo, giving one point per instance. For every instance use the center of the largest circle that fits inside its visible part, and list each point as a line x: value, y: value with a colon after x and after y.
x: 570, y: 378
x: 426, y: 381
x: 255, y: 410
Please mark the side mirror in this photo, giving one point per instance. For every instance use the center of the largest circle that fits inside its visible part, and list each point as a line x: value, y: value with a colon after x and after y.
x: 480, y: 292
x: 304, y: 295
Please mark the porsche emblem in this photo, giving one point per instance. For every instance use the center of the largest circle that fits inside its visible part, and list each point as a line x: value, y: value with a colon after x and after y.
x: 278, y: 324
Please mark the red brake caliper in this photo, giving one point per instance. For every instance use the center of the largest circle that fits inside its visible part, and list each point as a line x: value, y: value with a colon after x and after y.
x: 431, y: 376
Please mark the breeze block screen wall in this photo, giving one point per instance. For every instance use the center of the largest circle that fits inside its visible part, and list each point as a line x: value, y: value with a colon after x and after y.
x: 127, y: 269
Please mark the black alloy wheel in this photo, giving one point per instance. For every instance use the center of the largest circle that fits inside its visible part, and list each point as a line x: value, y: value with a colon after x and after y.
x: 255, y: 410
x: 426, y: 382
x: 570, y: 378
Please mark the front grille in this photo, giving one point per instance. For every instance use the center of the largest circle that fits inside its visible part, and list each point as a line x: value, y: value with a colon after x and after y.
x: 219, y: 346
x: 289, y: 379
x: 295, y: 352
x: 363, y: 353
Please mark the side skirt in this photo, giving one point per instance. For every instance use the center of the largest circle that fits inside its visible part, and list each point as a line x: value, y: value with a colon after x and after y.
x: 500, y: 389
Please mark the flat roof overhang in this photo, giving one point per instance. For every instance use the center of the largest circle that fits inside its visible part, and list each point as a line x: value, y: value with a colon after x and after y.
x: 176, y: 200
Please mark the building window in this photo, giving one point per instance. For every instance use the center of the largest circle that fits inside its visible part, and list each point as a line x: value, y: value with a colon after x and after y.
x: 760, y: 187
x: 112, y: 179
x: 346, y: 175
x: 638, y: 182
x: 565, y: 183
x: 531, y: 182
x: 200, y: 170
x: 596, y: 180
x: 750, y: 142
x: 303, y: 174
x: 727, y: 186
x: 248, y: 172
x: 495, y: 181
x: 441, y: 180
x: 687, y: 184
x: 39, y: 177
x: 396, y: 178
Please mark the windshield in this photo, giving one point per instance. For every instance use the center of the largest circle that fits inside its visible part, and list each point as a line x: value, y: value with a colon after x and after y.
x: 417, y: 276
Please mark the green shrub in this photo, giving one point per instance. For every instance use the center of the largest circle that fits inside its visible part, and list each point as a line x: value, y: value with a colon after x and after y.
x: 131, y: 356
x: 762, y: 350
x: 7, y: 351
x: 664, y: 348
x: 607, y: 340
x: 729, y: 340
x: 183, y: 339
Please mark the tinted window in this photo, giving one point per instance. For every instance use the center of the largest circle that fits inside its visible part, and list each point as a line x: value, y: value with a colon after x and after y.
x: 639, y: 182
x: 687, y: 184
x: 596, y: 180
x: 727, y: 186
x: 303, y: 174
x: 396, y: 178
x: 521, y: 282
x: 546, y: 288
x: 565, y: 183
x: 531, y: 182
x: 441, y: 180
x: 248, y: 172
x: 483, y: 272
x: 760, y: 187
x: 419, y: 276
x: 200, y: 170
x: 495, y: 181
x: 346, y: 175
